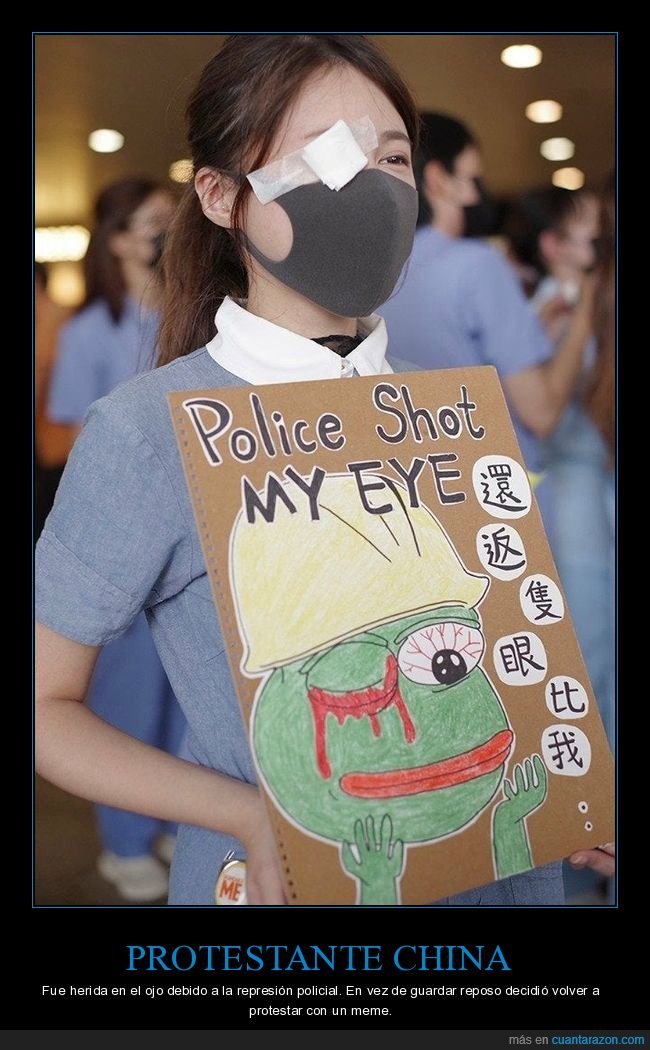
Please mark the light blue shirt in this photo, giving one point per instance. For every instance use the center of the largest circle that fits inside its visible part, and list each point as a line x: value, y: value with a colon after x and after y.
x: 96, y: 354
x: 459, y: 304
x: 121, y: 537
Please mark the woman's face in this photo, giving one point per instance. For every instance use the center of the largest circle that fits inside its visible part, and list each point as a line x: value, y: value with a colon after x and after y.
x: 339, y: 93
x: 571, y: 252
x: 138, y: 242
x: 580, y: 233
x: 461, y: 186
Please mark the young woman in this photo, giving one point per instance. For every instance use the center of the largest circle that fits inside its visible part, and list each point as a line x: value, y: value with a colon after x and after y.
x: 284, y: 282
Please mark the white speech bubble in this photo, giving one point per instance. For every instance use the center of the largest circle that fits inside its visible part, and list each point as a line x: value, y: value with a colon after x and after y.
x: 566, y: 698
x: 541, y: 600
x: 501, y: 550
x: 501, y: 487
x: 520, y: 659
x: 566, y: 750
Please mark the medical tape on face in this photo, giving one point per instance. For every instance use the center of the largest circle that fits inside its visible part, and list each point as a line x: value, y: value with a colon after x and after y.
x: 333, y: 158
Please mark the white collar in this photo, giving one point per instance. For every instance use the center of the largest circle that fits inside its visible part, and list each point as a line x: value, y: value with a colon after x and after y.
x: 260, y: 352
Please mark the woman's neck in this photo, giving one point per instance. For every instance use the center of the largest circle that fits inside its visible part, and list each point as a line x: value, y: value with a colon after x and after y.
x: 275, y: 302
x: 449, y: 220
x: 142, y: 285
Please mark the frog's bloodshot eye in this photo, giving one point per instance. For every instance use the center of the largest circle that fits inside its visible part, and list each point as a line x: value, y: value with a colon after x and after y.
x: 440, y: 653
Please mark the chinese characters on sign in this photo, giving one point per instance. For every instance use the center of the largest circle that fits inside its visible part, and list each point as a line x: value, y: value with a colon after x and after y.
x: 501, y: 551
x: 566, y: 698
x: 502, y: 489
x: 541, y: 599
x: 566, y: 750
x: 520, y: 659
x: 501, y: 486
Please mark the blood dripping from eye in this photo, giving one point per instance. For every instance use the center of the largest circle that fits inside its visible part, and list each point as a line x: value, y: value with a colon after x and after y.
x: 357, y: 704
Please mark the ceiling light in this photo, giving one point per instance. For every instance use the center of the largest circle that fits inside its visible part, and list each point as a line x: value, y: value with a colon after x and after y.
x: 568, y: 178
x: 557, y: 149
x: 544, y: 111
x: 60, y: 243
x: 521, y: 56
x: 181, y: 171
x: 105, y: 140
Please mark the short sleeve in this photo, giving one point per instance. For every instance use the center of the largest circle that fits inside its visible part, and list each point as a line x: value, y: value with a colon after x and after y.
x: 117, y: 539
x: 501, y: 321
x: 76, y: 378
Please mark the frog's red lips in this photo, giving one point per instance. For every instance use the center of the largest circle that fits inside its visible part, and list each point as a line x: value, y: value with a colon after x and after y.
x: 447, y: 773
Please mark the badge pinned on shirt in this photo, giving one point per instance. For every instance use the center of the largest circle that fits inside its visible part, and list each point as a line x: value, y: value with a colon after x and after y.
x: 230, y: 887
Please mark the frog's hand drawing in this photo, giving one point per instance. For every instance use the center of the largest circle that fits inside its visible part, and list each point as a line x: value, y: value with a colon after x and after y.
x: 524, y: 792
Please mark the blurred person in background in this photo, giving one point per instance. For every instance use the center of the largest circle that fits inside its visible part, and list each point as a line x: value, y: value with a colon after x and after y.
x: 111, y: 339
x: 459, y: 302
x: 558, y: 230
x: 600, y: 388
x: 552, y: 232
x: 52, y: 442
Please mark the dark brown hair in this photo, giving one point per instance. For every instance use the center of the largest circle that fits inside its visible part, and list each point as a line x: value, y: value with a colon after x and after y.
x: 534, y: 212
x: 233, y: 116
x: 600, y: 394
x: 113, y: 211
x: 442, y: 138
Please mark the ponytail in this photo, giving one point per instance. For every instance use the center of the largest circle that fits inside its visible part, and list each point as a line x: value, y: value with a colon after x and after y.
x: 201, y: 265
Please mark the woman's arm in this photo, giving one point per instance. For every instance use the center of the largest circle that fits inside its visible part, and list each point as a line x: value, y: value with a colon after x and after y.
x: 539, y: 395
x: 86, y: 756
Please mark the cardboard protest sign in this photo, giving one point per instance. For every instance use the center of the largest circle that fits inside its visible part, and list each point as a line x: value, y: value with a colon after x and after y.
x: 417, y: 706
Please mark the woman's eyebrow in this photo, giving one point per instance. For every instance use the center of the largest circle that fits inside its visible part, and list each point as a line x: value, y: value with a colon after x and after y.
x: 386, y: 136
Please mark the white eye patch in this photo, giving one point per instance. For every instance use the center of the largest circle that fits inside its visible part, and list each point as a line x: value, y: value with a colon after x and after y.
x: 334, y: 158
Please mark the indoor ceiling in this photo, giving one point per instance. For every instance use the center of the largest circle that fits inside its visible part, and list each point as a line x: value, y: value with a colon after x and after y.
x: 138, y: 84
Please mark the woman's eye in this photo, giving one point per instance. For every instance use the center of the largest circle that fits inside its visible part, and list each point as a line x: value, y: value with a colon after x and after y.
x: 440, y: 654
x: 396, y: 158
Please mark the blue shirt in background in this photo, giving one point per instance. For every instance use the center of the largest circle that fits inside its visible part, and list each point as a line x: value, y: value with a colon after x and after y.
x: 96, y: 354
x: 458, y: 304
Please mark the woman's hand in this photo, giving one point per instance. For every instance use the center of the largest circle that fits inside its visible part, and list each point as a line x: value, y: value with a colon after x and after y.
x: 86, y: 756
x: 554, y: 315
x: 263, y: 873
x: 602, y: 859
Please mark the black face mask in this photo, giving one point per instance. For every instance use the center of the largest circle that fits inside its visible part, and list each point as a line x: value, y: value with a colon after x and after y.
x: 349, y: 247
x: 481, y: 219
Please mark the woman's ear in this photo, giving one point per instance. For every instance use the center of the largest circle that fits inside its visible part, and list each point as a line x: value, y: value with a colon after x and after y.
x: 217, y: 193
x: 118, y: 244
x: 433, y: 178
x: 550, y: 247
